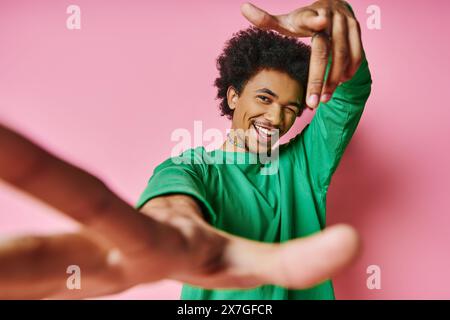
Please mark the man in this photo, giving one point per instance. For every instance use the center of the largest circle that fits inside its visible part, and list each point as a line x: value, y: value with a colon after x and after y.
x: 262, y: 88
x: 177, y: 233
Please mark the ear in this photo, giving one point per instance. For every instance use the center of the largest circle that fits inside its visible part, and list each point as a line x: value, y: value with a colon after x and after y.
x: 232, y: 97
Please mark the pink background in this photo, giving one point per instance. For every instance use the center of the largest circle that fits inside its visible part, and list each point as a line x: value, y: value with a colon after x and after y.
x: 108, y: 96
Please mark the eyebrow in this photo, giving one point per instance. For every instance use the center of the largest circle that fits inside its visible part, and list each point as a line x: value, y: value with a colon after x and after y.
x: 273, y: 94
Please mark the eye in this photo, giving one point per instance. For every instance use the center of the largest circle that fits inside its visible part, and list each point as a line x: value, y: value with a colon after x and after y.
x: 292, y: 109
x: 264, y: 99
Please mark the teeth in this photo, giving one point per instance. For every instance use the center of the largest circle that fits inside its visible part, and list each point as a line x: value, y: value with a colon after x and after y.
x: 265, y: 131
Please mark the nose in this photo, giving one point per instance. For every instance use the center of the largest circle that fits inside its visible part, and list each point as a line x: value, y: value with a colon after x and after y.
x: 275, y: 115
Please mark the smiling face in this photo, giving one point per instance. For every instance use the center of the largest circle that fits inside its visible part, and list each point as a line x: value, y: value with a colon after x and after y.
x: 270, y: 101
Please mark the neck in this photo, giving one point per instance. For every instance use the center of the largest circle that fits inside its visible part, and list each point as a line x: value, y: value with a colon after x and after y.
x: 233, y: 144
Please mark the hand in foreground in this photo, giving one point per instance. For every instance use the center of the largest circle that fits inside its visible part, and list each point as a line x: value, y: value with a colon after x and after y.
x: 119, y: 247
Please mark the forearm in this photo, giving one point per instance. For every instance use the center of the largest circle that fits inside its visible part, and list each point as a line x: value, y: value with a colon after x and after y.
x: 35, y: 267
x: 357, y: 89
x: 325, y: 139
x: 80, y: 195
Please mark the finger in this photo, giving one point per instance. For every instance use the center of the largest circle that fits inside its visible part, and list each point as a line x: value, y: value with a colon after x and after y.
x: 355, y: 46
x: 259, y: 17
x: 34, y: 267
x: 306, y: 21
x: 79, y: 195
x: 318, y: 64
x: 340, y: 56
x: 299, y: 23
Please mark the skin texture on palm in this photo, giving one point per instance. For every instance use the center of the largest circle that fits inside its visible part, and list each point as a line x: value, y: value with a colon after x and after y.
x: 118, y: 247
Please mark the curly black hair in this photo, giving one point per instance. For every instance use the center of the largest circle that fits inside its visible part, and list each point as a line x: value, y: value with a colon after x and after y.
x: 251, y: 50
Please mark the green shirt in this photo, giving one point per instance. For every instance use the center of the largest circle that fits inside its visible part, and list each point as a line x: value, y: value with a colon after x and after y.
x: 288, y: 204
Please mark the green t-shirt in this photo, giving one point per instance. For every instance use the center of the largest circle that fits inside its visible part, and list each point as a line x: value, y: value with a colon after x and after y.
x: 277, y: 207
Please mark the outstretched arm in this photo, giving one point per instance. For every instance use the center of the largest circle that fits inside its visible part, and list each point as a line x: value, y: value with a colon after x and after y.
x: 119, y: 247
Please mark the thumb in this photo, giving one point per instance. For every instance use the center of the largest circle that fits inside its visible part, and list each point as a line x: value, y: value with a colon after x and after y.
x: 302, y: 22
x: 258, y: 17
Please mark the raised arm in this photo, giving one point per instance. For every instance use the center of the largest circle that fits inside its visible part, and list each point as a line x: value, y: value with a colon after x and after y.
x: 339, y: 81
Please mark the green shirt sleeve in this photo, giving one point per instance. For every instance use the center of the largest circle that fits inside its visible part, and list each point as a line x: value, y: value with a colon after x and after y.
x: 172, y: 177
x: 322, y: 142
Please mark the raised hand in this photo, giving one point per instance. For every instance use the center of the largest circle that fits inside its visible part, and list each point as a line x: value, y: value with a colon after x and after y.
x: 333, y: 27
